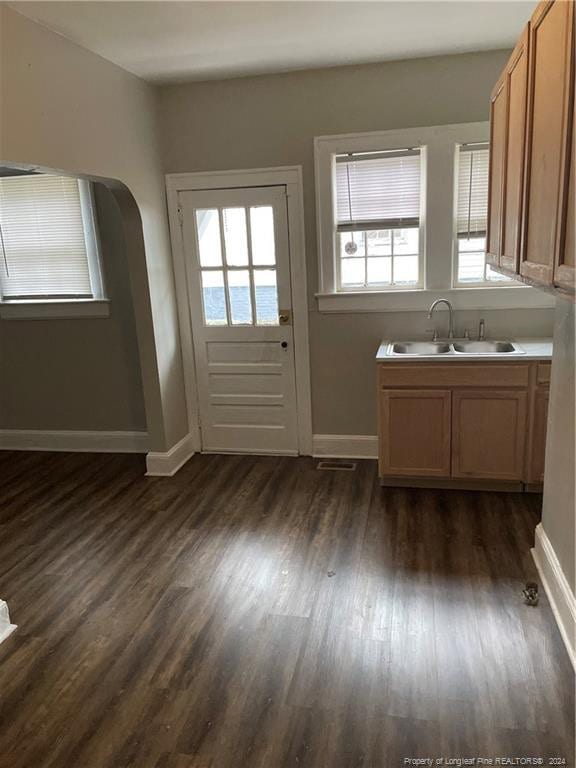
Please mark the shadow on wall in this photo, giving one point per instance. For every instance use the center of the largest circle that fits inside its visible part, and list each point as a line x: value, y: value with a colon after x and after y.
x: 86, y: 372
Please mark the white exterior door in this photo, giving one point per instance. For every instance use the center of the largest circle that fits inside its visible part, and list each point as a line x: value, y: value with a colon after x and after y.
x: 238, y: 265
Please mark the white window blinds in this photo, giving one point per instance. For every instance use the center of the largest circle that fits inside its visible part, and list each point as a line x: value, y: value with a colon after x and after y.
x: 472, y: 202
x: 376, y: 191
x: 43, y: 249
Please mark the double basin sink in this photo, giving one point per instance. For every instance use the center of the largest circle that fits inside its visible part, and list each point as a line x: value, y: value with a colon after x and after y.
x: 453, y: 347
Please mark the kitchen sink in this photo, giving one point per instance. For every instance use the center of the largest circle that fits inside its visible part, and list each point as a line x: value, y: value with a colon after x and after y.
x: 486, y: 348
x: 453, y: 348
x: 419, y: 348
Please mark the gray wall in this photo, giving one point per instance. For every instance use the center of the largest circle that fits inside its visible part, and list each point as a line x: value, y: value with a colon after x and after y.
x: 66, y: 108
x: 82, y: 373
x: 559, y: 512
x: 271, y: 121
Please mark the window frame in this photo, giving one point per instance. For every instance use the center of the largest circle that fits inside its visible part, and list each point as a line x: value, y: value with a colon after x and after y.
x: 438, y: 225
x: 326, y: 148
x: 379, y: 287
x: 62, y: 306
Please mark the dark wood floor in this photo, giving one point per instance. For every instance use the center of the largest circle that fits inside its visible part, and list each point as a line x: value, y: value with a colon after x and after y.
x: 259, y: 613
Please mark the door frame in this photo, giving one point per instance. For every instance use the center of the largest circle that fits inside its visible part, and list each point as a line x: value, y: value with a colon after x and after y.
x: 291, y: 178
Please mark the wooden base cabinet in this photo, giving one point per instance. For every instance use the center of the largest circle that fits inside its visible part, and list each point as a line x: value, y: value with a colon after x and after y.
x: 489, y: 429
x: 538, y: 423
x: 538, y: 438
x: 415, y: 432
x: 463, y: 423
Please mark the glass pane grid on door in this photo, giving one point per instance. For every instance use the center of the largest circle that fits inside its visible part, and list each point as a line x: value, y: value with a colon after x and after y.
x: 237, y: 265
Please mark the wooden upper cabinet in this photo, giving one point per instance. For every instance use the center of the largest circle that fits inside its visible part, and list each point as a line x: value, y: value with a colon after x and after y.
x: 565, y: 272
x: 507, y: 140
x: 517, y: 87
x: 549, y: 116
x: 498, y: 120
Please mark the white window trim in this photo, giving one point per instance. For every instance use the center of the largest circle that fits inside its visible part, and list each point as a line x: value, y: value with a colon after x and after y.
x: 98, y: 305
x: 337, y: 264
x: 438, y: 226
x: 54, y: 309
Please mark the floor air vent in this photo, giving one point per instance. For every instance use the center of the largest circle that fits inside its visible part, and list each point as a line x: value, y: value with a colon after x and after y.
x: 335, y: 464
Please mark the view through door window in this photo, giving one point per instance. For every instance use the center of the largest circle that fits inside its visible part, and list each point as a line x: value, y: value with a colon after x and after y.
x: 238, y: 265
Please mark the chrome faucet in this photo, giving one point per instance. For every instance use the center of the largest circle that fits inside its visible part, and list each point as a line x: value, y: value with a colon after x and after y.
x: 482, y: 331
x: 433, y: 307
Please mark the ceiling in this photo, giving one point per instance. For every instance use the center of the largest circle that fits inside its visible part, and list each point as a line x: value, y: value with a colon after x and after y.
x: 179, y: 41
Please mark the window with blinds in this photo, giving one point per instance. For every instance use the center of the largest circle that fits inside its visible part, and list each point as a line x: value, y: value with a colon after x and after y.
x: 48, y: 247
x: 378, y: 212
x: 472, y: 216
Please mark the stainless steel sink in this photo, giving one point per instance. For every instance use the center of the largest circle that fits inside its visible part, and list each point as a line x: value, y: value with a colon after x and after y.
x: 419, y: 348
x: 453, y: 348
x: 486, y: 348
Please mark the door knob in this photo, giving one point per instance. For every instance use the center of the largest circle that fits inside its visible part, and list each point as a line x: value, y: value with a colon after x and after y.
x: 284, y: 344
x: 284, y: 317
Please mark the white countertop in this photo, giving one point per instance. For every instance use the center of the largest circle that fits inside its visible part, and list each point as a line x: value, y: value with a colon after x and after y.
x: 534, y: 349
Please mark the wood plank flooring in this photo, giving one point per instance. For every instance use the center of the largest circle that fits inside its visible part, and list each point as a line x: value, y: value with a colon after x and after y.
x: 254, y: 612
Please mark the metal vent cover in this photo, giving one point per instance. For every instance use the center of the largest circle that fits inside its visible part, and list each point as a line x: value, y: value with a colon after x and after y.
x: 336, y: 465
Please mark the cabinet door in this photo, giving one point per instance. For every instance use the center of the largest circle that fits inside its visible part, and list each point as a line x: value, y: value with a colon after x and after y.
x: 517, y: 90
x: 549, y: 83
x: 498, y: 113
x: 488, y: 434
x: 537, y: 451
x: 507, y: 141
x: 415, y: 432
x: 565, y: 273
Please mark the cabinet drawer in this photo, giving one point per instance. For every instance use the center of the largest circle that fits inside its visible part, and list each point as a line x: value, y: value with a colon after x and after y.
x: 453, y: 375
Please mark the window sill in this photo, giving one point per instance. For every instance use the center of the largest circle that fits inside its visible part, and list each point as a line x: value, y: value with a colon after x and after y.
x: 509, y: 297
x: 57, y: 310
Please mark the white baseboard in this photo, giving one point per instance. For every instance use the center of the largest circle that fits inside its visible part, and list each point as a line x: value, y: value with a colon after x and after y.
x: 5, y: 627
x: 167, y: 464
x: 73, y: 440
x: 345, y: 446
x: 560, y: 595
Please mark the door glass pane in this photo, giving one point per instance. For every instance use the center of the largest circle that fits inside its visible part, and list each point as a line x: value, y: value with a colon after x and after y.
x: 266, y: 296
x: 239, y: 294
x: 379, y: 270
x: 353, y: 271
x: 235, y: 240
x: 209, y: 237
x: 262, y: 230
x: 213, y: 297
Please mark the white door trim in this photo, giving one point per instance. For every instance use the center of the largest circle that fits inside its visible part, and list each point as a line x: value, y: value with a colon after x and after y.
x: 291, y: 178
